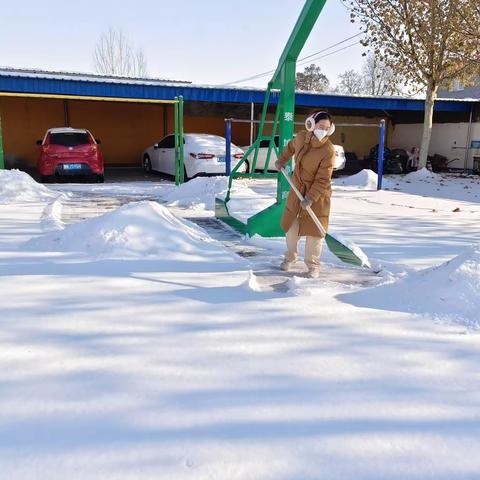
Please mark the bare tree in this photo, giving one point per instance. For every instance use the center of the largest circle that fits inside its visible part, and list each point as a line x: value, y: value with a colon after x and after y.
x: 312, y: 79
x: 115, y: 55
x: 427, y: 42
x: 375, y: 78
x: 379, y: 78
x: 351, y: 82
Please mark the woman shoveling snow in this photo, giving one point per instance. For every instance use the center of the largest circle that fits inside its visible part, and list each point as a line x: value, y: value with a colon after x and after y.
x: 308, y: 205
x: 314, y: 162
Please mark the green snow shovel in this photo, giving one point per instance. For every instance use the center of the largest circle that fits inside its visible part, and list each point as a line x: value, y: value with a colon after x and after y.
x: 345, y: 251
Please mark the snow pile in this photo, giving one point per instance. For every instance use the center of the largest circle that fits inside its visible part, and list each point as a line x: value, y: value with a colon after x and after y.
x: 452, y: 288
x: 421, y: 175
x: 199, y: 192
x: 249, y: 198
x: 17, y: 186
x: 252, y: 282
x: 366, y: 179
x: 52, y: 216
x: 134, y: 230
x: 449, y: 291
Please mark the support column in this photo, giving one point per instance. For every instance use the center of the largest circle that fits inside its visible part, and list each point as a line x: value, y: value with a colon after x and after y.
x: 381, y: 145
x: 66, y: 116
x: 2, y: 157
x: 467, y: 145
x: 252, y: 125
x: 228, y: 146
x: 177, y: 143
x: 165, y: 120
x: 180, y: 139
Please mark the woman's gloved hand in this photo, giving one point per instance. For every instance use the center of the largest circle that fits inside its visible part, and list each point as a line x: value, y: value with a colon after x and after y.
x: 306, y: 202
x: 278, y: 165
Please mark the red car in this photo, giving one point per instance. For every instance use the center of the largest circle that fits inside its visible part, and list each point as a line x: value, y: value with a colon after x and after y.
x: 70, y: 151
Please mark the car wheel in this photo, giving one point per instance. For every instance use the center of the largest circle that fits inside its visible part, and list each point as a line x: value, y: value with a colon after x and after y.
x: 186, y: 178
x: 45, y: 179
x: 247, y: 167
x: 147, y: 164
x: 100, y: 178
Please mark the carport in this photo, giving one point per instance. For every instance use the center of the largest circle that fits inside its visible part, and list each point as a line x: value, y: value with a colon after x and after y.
x: 122, y: 124
x: 128, y: 115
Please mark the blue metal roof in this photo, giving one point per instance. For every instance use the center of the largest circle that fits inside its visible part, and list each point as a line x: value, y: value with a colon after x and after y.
x: 57, y: 83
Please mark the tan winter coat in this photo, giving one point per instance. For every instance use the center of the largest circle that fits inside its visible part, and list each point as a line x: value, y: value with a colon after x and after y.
x: 314, y: 162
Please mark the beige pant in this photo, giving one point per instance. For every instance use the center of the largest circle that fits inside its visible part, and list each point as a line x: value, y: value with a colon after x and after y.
x: 313, y: 246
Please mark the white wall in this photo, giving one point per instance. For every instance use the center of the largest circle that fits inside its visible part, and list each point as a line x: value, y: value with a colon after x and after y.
x: 445, y: 137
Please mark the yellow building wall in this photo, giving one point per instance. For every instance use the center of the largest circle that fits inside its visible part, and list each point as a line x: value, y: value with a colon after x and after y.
x: 24, y: 121
x: 124, y: 129
x: 356, y: 139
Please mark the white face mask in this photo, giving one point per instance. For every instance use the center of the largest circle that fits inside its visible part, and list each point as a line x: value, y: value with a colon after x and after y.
x: 319, y: 133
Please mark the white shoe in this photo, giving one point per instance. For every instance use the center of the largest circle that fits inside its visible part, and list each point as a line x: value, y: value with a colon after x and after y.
x: 286, y: 266
x: 313, y: 272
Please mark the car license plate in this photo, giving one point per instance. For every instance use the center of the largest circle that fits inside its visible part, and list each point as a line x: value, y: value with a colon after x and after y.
x: 221, y: 158
x: 72, y: 166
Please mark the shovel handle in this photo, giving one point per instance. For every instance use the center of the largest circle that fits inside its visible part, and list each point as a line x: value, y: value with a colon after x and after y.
x: 300, y: 197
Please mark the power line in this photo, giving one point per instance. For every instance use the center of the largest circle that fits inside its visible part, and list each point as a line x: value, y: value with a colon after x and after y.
x: 329, y: 48
x: 331, y: 53
x: 299, y: 61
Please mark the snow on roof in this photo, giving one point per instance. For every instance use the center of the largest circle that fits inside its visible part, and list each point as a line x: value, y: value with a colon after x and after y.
x: 85, y: 77
x: 93, y: 77
x: 67, y: 130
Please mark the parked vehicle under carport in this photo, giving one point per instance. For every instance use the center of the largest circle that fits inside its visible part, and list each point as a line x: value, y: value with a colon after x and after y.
x: 70, y: 152
x: 204, y: 154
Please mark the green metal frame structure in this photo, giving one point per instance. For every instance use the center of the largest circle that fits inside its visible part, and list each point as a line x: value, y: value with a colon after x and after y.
x: 179, y: 158
x: 267, y: 222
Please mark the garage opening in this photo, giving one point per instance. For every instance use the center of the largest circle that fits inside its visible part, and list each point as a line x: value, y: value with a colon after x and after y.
x: 125, y: 127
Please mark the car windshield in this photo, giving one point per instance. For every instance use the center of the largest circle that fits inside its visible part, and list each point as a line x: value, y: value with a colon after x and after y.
x: 69, y: 139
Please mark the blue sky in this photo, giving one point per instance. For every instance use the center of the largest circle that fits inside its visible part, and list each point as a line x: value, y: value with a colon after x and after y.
x: 209, y: 41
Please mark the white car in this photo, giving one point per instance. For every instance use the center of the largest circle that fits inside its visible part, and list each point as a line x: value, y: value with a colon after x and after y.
x: 262, y: 156
x: 204, y: 154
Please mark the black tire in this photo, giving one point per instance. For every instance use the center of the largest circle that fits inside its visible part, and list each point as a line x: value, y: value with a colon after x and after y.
x: 247, y: 166
x: 147, y: 164
x: 186, y: 178
x: 100, y: 178
x: 45, y: 179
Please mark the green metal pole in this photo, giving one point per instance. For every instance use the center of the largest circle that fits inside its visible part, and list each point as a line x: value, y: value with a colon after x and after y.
x: 301, y: 31
x: 286, y: 105
x: 261, y: 128
x: 180, y: 139
x: 177, y: 143
x: 272, y: 141
x: 267, y: 222
x: 2, y: 158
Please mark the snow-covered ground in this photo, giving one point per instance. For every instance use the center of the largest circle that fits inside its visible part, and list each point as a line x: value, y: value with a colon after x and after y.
x: 135, y: 345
